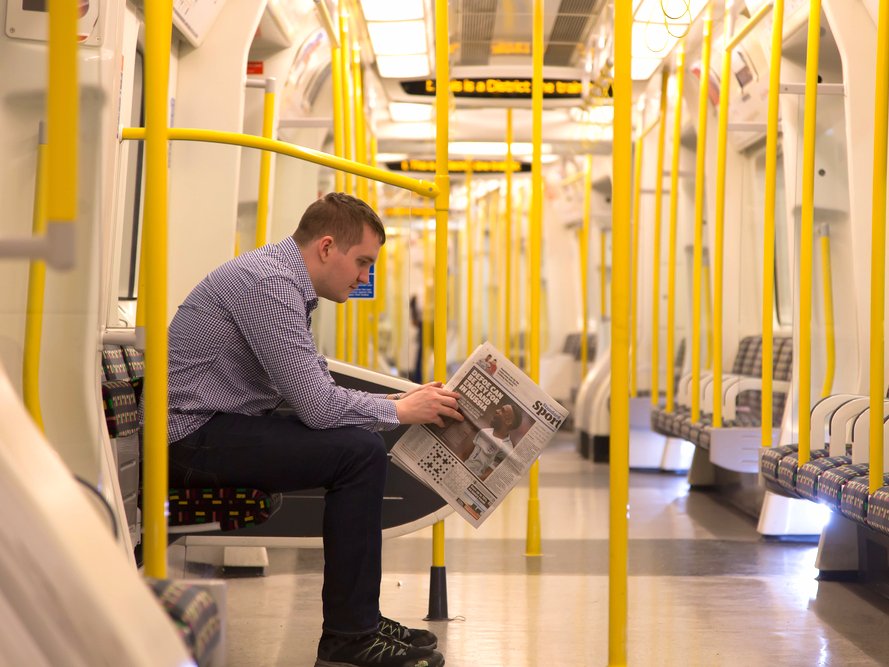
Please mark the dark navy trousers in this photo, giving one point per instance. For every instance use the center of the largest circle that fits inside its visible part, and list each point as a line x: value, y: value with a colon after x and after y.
x: 278, y: 453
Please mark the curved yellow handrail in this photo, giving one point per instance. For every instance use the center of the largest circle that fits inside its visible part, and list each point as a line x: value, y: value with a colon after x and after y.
x: 532, y: 537
x: 768, y: 254
x: 420, y: 187
x: 265, y: 166
x: 620, y: 307
x: 36, y: 290
x: 703, y: 101
x: 807, y: 228
x: 878, y: 251
x: 674, y: 216
x: 656, y: 260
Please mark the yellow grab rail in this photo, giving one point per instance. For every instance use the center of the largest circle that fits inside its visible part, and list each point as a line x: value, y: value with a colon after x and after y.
x: 507, y: 243
x: 361, y: 191
x: 829, y: 333
x: 719, y: 218
x: 656, y: 261
x: 807, y: 228
x: 758, y: 16
x: 438, y: 587
x: 674, y: 216
x: 620, y: 267
x: 36, y: 291
x: 336, y: 70
x: 346, y: 95
x: 768, y: 254
x: 532, y: 537
x: 420, y: 187
x: 470, y: 263
x: 635, y: 234
x: 603, y: 274
x: 158, y: 30
x: 878, y: 251
x: 703, y: 101
x: 585, y: 264
x: 265, y: 165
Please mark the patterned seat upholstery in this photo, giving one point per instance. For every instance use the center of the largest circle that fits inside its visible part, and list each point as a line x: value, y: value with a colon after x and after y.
x: 113, y: 365
x: 788, y: 469
x: 831, y: 483
x: 770, y: 460
x: 855, y: 497
x: 808, y: 476
x: 195, y: 614
x: 878, y: 510
x: 121, y: 409
x: 231, y: 507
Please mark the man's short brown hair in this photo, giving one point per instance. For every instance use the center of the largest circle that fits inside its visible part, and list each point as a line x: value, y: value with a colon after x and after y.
x: 341, y: 216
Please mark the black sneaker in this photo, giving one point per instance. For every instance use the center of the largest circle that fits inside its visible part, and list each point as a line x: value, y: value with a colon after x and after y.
x: 412, y: 636
x: 374, y: 650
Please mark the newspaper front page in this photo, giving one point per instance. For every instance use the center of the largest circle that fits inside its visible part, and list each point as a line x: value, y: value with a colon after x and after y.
x: 473, y: 464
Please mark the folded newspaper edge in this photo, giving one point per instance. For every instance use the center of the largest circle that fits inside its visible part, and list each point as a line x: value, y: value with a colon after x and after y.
x: 508, y: 421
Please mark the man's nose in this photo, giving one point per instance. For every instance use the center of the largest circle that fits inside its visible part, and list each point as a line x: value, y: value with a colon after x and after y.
x: 364, y: 276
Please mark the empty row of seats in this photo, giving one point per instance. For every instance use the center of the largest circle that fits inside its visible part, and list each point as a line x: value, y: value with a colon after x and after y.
x: 741, y: 396
x: 837, y: 472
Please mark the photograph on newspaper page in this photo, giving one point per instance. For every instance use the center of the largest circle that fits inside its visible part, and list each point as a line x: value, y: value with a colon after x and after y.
x: 508, y: 420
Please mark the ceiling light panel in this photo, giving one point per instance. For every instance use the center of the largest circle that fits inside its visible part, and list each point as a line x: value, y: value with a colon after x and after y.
x: 408, y: 112
x: 398, y: 37
x: 392, y: 10
x: 403, y: 67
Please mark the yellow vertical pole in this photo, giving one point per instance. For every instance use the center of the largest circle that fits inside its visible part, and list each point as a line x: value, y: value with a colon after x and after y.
x: 707, y: 301
x: 399, y: 301
x: 428, y: 311
x: 265, y: 165
x: 158, y: 29
x: 636, y: 233
x: 336, y: 69
x: 379, y: 304
x: 529, y: 287
x: 36, y: 292
x: 584, y: 243
x: 493, y: 262
x: 438, y: 597
x: 507, y: 243
x: 671, y: 244
x: 829, y: 334
x: 361, y: 191
x: 878, y: 251
x: 620, y: 278
x: 532, y: 538
x: 62, y: 113
x: 719, y: 218
x: 603, y: 274
x: 807, y: 232
x: 656, y: 262
x: 470, y: 262
x: 768, y: 254
x: 703, y: 100
x: 346, y: 96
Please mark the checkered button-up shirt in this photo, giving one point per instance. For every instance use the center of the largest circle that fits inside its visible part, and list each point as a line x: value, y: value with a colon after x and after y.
x: 241, y: 343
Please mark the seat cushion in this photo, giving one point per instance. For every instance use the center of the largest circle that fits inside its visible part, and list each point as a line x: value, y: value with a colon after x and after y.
x: 232, y: 507
x: 831, y: 482
x: 808, y: 476
x: 878, y: 510
x: 788, y: 468
x: 195, y: 614
x: 121, y: 410
x: 771, y: 458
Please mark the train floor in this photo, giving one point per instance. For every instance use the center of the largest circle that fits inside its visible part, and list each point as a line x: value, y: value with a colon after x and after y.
x: 704, y: 587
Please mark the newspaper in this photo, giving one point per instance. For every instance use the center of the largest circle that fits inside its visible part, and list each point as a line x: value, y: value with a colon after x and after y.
x: 473, y: 464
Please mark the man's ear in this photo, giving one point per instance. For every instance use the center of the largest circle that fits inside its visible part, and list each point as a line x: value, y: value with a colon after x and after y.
x: 325, y: 247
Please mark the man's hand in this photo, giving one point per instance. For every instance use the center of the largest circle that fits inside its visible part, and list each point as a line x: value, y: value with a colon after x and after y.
x: 428, y: 404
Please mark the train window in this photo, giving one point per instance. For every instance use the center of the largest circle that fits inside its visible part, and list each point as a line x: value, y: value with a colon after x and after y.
x: 128, y: 282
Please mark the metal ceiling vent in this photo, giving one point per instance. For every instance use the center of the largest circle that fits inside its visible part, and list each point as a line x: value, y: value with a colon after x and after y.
x: 570, y: 31
x: 476, y: 31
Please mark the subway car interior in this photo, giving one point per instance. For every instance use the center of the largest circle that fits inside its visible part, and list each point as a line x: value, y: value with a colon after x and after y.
x: 669, y: 214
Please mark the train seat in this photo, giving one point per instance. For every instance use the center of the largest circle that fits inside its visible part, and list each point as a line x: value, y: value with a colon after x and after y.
x: 190, y: 509
x: 195, y: 614
x: 878, y: 510
x: 831, y: 483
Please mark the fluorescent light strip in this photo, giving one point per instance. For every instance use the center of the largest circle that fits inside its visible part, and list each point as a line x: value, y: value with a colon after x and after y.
x: 392, y: 10
x: 398, y: 38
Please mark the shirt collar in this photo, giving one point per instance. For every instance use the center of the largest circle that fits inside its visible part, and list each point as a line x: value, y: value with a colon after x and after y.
x: 294, y: 258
